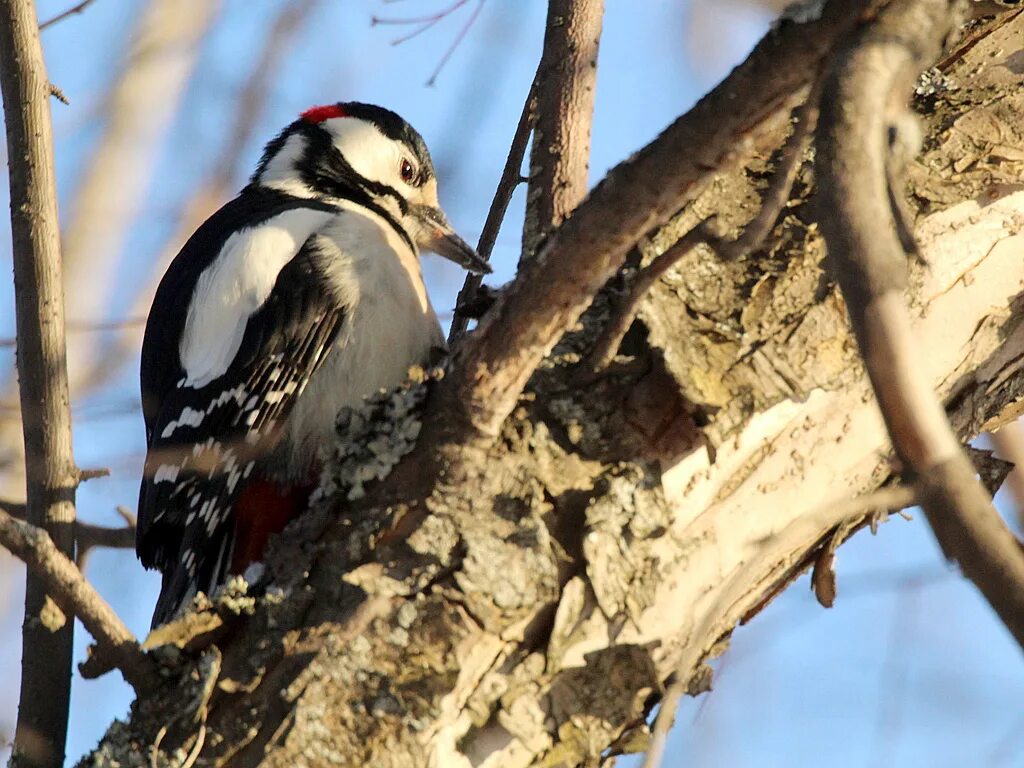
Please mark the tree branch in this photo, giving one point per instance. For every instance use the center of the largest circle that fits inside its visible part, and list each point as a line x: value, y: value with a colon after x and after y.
x: 42, y: 375
x: 773, y: 201
x: 89, y: 537
x: 865, y: 102
x: 560, y: 153
x: 511, y: 176
x: 75, y: 596
x: 77, y: 8
x: 553, y: 289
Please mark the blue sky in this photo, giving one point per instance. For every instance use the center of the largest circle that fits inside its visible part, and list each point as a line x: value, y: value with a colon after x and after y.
x: 909, y: 668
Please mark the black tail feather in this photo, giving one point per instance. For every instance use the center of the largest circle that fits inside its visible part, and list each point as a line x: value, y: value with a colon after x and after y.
x: 179, y: 587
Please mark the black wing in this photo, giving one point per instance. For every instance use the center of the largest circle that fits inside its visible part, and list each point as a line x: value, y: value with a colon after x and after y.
x: 161, y: 367
x: 204, y: 442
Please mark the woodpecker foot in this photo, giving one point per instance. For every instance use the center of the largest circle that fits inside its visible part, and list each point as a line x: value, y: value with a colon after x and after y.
x: 478, y: 306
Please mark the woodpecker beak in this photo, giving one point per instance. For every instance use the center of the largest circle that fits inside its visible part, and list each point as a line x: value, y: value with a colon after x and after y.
x: 436, y: 235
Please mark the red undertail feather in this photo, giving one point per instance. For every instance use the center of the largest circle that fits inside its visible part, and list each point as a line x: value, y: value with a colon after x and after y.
x: 263, y: 509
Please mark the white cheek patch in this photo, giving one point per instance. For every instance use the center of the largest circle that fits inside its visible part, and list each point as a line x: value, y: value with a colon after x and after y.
x: 235, y: 286
x: 370, y: 153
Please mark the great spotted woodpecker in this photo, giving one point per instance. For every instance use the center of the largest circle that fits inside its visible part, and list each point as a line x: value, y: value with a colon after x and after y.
x: 301, y: 296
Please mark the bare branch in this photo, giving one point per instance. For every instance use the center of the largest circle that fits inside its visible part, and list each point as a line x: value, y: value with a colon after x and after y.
x: 89, y: 536
x: 429, y: 21
x: 64, y: 14
x: 462, y: 33
x: 553, y: 289
x: 511, y: 177
x: 560, y: 154
x: 76, y: 596
x: 857, y: 123
x: 773, y: 201
x: 42, y: 375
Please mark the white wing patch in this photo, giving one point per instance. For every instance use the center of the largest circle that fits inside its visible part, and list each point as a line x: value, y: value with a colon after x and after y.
x: 235, y: 286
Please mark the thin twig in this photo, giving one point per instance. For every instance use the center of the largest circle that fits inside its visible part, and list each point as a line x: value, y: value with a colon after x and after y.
x: 89, y: 536
x: 431, y: 18
x: 64, y: 14
x: 58, y: 94
x: 428, y: 22
x: 853, y: 156
x: 774, y: 199
x: 463, y: 32
x: 70, y: 590
x: 511, y: 177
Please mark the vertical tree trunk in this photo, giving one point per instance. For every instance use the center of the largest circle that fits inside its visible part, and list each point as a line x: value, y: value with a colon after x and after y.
x: 42, y: 369
x: 560, y: 155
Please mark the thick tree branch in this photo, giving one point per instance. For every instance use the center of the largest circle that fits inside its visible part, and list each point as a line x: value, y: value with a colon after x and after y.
x: 565, y: 85
x: 865, y: 92
x: 553, y: 289
x: 854, y: 512
x: 773, y: 201
x: 76, y: 597
x: 42, y: 377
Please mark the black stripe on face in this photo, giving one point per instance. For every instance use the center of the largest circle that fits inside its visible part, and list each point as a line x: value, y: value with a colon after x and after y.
x: 324, y: 170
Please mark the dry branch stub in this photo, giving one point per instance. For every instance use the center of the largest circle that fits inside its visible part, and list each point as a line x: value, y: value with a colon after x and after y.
x: 553, y: 580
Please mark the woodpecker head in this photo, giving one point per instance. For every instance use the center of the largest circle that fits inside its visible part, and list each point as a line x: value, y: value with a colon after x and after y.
x: 370, y: 156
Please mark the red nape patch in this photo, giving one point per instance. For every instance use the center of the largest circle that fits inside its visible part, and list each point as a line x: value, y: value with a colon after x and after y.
x: 263, y: 509
x: 319, y: 114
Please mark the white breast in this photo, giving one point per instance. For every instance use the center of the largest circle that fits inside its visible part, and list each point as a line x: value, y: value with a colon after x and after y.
x: 390, y: 326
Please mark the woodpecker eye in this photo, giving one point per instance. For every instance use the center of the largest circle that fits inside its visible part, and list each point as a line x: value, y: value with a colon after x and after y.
x: 407, y: 171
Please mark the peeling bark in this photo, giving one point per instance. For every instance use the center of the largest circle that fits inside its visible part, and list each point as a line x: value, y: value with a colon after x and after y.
x: 523, y: 602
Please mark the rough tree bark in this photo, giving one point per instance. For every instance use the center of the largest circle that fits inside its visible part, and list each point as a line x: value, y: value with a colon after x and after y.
x: 565, y: 86
x: 520, y: 588
x: 51, y: 475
